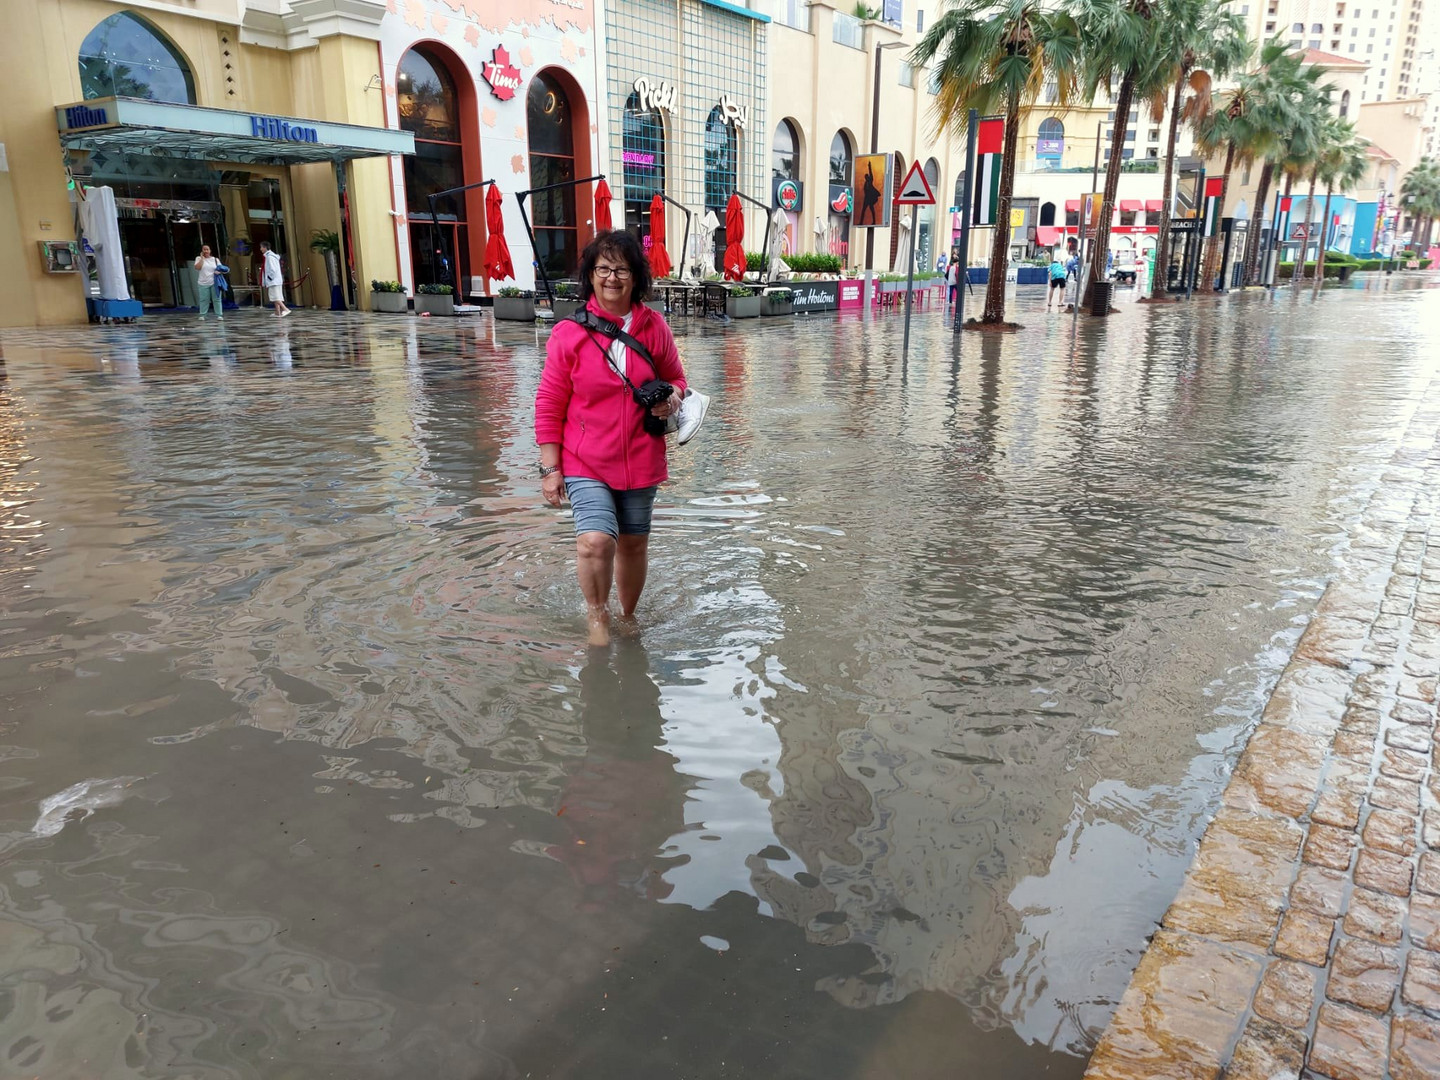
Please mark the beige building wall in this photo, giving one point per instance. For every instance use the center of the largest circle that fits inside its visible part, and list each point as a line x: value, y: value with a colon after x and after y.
x: 318, y: 72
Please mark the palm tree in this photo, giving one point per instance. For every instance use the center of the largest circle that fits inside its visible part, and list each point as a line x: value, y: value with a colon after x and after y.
x: 1239, y: 124
x: 1124, y: 41
x: 1285, y: 86
x: 1421, y: 193
x: 1304, y: 148
x: 1329, y: 129
x: 997, y: 58
x: 1344, y: 165
x: 1204, y: 41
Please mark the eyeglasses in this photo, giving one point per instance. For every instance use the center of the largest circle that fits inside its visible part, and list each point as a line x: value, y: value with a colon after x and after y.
x: 619, y: 273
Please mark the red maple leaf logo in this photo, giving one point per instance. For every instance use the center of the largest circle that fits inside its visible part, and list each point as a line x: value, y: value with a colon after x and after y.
x: 501, y: 74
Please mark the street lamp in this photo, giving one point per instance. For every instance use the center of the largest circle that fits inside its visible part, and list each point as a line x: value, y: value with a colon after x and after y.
x: 875, y: 149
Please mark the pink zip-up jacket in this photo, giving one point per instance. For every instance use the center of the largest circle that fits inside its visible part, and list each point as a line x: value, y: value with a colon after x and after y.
x: 583, y: 405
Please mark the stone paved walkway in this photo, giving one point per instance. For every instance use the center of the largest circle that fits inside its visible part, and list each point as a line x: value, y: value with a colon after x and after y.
x: 1305, y: 941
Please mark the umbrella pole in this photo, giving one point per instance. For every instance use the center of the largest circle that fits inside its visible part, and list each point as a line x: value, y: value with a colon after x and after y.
x: 765, y: 273
x: 534, y: 251
x: 434, y: 249
x: 685, y: 244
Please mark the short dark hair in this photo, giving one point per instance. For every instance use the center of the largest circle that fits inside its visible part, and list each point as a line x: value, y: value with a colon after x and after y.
x: 265, y: 245
x: 620, y: 245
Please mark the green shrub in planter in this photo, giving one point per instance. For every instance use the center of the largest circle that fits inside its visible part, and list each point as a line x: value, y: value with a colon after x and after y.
x: 436, y: 290
x: 515, y: 304
x: 436, y: 299
x: 388, y: 297
x: 777, y: 302
x: 742, y: 303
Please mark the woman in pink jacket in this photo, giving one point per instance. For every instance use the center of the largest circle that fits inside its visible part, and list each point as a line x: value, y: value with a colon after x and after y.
x: 598, y: 444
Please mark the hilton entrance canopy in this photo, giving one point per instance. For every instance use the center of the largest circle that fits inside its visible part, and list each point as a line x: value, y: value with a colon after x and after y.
x: 123, y: 125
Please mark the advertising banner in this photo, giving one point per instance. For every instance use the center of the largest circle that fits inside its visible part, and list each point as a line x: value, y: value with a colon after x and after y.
x: 871, y: 204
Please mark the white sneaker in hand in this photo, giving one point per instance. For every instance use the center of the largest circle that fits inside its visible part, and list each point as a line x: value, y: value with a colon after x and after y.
x: 692, y: 414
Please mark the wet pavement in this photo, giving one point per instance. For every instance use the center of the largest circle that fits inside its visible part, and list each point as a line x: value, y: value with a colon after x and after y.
x: 943, y: 671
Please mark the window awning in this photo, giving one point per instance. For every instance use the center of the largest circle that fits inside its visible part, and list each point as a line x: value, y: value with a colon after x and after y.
x: 1131, y: 206
x: 1154, y: 206
x: 1072, y: 204
x: 1047, y: 235
x: 122, y: 125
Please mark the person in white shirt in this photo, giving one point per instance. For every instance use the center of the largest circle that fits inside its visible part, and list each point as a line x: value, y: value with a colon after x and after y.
x: 208, y: 295
x: 273, y: 280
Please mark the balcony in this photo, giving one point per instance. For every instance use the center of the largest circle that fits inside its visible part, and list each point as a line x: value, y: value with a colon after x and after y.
x: 848, y: 31
x: 792, y: 13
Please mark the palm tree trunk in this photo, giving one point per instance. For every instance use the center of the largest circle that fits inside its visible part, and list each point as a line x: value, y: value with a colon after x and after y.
x: 1257, y: 223
x: 1112, y: 183
x: 1162, y: 241
x: 1324, y: 240
x: 1000, y: 246
x: 1299, y: 270
x: 1213, y: 246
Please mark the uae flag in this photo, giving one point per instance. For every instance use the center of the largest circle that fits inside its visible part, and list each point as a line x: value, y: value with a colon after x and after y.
x: 989, y: 147
x: 1214, y: 185
x: 1282, y: 215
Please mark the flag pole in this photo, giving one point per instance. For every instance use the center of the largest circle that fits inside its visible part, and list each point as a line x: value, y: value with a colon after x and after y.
x: 962, y: 277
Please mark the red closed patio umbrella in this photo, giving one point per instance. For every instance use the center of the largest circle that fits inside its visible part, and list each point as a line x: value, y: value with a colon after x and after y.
x: 602, y: 207
x: 659, y: 257
x: 498, y: 266
x: 735, y: 240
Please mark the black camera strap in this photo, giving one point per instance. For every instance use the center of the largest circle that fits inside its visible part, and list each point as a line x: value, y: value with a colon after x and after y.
x: 589, y: 321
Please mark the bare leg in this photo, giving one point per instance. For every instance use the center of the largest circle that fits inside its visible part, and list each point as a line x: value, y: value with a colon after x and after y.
x: 595, y: 567
x: 632, y: 562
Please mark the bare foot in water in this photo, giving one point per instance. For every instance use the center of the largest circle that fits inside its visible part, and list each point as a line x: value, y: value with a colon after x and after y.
x: 599, y: 623
x: 627, y: 626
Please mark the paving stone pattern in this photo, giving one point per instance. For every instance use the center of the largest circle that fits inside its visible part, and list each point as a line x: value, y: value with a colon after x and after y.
x: 1305, y: 941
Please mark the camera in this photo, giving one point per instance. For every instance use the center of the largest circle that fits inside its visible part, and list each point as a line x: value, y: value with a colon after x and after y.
x: 647, y: 395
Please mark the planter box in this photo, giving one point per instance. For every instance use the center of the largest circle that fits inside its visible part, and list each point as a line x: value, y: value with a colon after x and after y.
x: 515, y: 308
x: 392, y: 303
x: 815, y: 296
x: 656, y: 305
x: 978, y: 275
x: 435, y: 303
x: 1031, y: 275
x: 772, y: 305
x: 742, y: 307
x: 563, y: 308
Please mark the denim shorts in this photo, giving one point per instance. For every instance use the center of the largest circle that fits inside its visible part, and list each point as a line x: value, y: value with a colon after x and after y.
x: 599, y: 508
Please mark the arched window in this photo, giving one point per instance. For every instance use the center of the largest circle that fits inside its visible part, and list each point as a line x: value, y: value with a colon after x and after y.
x: 1345, y: 103
x: 841, y: 159
x: 552, y: 161
x: 785, y: 152
x: 1050, y: 145
x: 642, y: 151
x: 124, y: 56
x: 720, y: 158
x: 897, y: 176
x: 428, y: 105
x: 1047, y: 213
x: 926, y: 242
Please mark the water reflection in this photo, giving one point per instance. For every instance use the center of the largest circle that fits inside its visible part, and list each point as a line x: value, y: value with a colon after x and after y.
x: 934, y: 653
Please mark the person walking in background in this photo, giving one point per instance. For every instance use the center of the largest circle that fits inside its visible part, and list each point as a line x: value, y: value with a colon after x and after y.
x: 207, y: 292
x: 940, y: 264
x: 273, y: 280
x: 952, y: 279
x: 1058, y: 275
x: 612, y: 377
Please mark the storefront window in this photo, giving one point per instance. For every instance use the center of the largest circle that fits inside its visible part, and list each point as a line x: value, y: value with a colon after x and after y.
x: 720, y: 161
x: 897, y: 230
x: 552, y: 161
x: 925, y: 243
x: 426, y: 99
x: 125, y: 57
x: 837, y: 232
x: 643, y: 154
x: 785, y: 152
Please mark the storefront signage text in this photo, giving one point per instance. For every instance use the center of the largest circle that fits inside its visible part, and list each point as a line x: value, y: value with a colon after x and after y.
x: 501, y: 74
x: 640, y: 159
x: 738, y: 115
x: 657, y: 95
x: 816, y: 296
x: 268, y: 127
x: 787, y: 195
x: 83, y: 116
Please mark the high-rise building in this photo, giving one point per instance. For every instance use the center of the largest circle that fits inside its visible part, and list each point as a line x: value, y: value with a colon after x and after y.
x: 1387, y: 35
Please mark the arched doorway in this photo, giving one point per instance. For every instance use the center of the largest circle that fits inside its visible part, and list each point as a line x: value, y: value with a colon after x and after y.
x: 124, y: 56
x: 897, y: 176
x: 439, y: 109
x: 642, y: 153
x: 926, y: 244
x: 550, y: 114
x: 785, y: 178
x: 721, y: 155
x: 842, y: 161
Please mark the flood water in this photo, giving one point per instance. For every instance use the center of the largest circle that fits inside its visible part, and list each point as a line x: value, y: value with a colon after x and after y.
x: 305, y: 771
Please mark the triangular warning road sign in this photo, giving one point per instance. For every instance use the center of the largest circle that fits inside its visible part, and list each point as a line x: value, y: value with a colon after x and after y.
x: 915, y: 191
